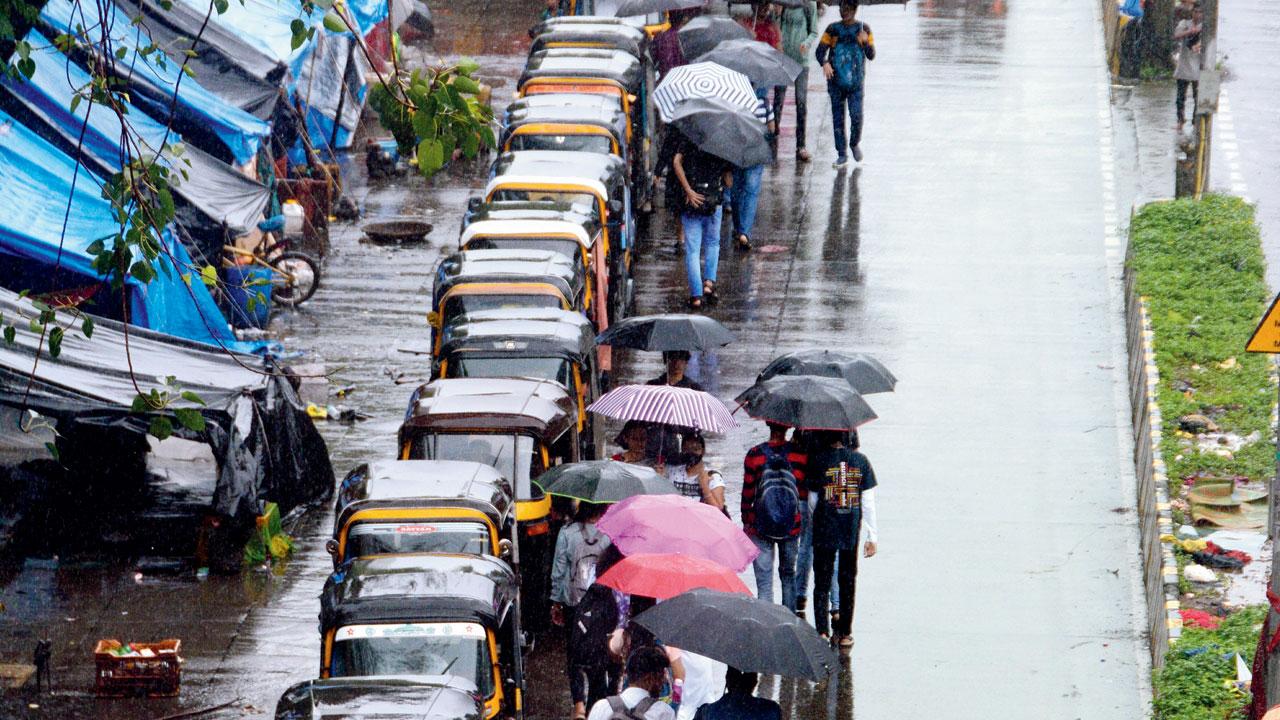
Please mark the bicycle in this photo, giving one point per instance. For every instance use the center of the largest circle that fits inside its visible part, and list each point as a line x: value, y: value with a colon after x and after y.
x: 295, y: 275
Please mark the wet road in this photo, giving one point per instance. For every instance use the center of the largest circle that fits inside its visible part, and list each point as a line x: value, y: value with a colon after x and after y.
x: 967, y: 253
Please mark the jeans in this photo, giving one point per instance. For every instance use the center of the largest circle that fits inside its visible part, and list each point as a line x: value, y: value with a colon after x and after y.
x: 804, y: 562
x: 1181, y: 101
x: 697, y: 229
x: 842, y: 101
x: 763, y: 566
x: 746, y: 197
x: 823, y: 561
x: 802, y: 104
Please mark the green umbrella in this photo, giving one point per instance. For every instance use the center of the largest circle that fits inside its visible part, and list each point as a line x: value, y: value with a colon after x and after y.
x: 603, y: 481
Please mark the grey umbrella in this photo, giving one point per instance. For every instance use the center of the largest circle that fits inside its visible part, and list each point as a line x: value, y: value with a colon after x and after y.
x: 724, y: 130
x: 863, y: 373
x: 808, y: 402
x: 630, y: 8
x: 701, y: 34
x: 660, y: 333
x: 604, y: 481
x: 739, y: 630
x: 765, y: 66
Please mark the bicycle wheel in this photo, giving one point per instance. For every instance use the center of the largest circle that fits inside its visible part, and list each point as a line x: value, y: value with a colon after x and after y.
x: 296, y: 277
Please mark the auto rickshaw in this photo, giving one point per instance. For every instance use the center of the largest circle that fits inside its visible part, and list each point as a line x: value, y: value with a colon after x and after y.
x: 597, y: 181
x: 427, y: 617
x: 416, y: 506
x: 379, y: 698
x: 473, y: 280
x: 504, y: 344
x: 521, y: 426
x: 596, y: 10
x: 590, y: 32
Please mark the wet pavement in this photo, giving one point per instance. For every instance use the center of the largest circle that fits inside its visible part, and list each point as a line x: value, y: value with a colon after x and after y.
x: 967, y: 253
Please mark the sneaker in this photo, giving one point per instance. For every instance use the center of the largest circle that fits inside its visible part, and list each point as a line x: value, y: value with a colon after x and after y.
x: 857, y: 154
x: 840, y: 162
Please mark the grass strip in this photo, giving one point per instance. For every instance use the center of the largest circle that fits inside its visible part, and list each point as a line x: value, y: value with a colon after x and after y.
x: 1195, y: 683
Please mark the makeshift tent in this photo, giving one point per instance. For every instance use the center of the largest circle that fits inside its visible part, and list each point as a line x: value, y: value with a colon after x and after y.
x: 43, y: 189
x: 214, y: 199
x: 266, y: 447
x: 203, y: 118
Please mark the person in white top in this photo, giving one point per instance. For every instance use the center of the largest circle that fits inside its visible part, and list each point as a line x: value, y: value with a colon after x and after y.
x: 646, y: 673
x: 692, y: 477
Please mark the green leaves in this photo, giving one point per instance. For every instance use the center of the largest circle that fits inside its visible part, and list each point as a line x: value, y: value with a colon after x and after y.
x: 333, y: 22
x: 300, y: 33
x: 430, y: 156
x: 189, y: 418
x: 55, y: 341
x: 86, y: 326
x: 161, y: 427
x: 160, y: 400
x: 209, y: 276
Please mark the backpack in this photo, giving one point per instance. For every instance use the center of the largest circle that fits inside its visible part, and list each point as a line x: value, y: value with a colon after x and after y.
x: 618, y: 710
x: 593, y: 621
x: 777, y: 500
x: 582, y: 564
x: 847, y: 59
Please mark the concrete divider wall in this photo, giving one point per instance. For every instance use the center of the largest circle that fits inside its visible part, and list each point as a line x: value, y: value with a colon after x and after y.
x: 1159, y: 569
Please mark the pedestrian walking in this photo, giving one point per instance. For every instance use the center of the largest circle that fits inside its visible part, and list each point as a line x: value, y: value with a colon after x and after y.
x: 1187, y: 62
x: 772, y: 491
x: 799, y: 29
x: 845, y: 509
x: 703, y: 177
x: 843, y: 52
x: 578, y: 550
x: 601, y: 612
x: 692, y: 477
x: 677, y: 362
x: 745, y: 194
x: 739, y: 701
x: 646, y: 673
x: 762, y: 25
x: 666, y: 49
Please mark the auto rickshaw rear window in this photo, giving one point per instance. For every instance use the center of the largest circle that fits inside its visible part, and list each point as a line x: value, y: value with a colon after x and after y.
x: 578, y: 198
x: 582, y: 143
x: 461, y: 305
x: 564, y: 246
x: 418, y: 537
x: 512, y: 455
x: 414, y: 650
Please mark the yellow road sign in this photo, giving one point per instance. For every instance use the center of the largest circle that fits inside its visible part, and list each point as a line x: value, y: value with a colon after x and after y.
x: 1266, y: 339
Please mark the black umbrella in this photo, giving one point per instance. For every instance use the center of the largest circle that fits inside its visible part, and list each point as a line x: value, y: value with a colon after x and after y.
x: 864, y: 373
x: 749, y: 634
x: 630, y: 8
x: 701, y: 34
x: 659, y: 333
x: 604, y: 481
x: 725, y: 130
x: 808, y: 402
x: 765, y: 66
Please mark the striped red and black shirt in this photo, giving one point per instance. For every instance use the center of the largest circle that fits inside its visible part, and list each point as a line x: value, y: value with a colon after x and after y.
x: 753, y: 467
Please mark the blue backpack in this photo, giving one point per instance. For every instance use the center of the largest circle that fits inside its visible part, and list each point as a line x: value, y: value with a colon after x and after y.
x: 777, y: 500
x: 847, y: 59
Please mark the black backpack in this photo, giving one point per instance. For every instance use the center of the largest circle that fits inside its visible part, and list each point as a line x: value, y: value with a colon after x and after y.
x: 594, y: 619
x: 777, y: 499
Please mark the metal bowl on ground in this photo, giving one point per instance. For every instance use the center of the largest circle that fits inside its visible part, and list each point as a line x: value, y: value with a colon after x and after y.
x: 396, y: 232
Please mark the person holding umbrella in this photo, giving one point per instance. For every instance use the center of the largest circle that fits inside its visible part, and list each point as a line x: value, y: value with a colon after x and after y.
x: 634, y: 440
x: 692, y: 477
x: 739, y: 701
x: 773, y: 486
x: 677, y: 362
x: 579, y: 547
x: 703, y: 177
x: 799, y: 26
x: 846, y: 506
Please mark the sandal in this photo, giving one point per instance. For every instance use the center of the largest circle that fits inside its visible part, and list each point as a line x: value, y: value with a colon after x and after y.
x: 695, y: 303
x: 708, y: 288
x: 743, y: 242
x: 845, y: 642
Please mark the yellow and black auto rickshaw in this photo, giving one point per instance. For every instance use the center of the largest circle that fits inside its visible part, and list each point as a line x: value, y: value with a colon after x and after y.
x: 522, y: 427
x: 379, y: 699
x: 427, y: 617
x: 596, y: 10
x: 593, y: 32
x: 416, y: 506
x: 592, y: 180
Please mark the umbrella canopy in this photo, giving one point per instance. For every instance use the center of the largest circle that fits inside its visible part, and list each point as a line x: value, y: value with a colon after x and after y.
x: 701, y: 34
x: 749, y: 634
x: 665, y: 405
x: 659, y: 333
x: 631, y: 8
x: 703, y: 80
x: 863, y: 373
x: 604, y: 481
x: 668, y: 575
x: 719, y: 128
x: 808, y: 402
x: 763, y: 65
x: 651, y: 524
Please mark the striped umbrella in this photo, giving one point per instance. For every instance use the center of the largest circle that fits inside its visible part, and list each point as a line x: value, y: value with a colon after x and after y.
x: 702, y: 80
x: 665, y: 405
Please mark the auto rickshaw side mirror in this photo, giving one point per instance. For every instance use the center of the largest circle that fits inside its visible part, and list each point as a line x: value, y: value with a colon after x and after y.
x: 433, y: 319
x: 504, y: 549
x: 331, y: 546
x: 615, y: 207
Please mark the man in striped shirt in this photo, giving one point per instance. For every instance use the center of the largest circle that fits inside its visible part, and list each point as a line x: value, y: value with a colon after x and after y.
x: 753, y: 467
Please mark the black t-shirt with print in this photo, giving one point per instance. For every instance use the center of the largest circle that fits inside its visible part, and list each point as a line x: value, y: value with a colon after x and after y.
x: 840, y: 476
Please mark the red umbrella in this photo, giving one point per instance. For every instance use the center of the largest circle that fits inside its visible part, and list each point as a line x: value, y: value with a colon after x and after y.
x: 668, y: 575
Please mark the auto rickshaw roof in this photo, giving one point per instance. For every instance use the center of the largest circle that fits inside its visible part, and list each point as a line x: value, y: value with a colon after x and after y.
x: 583, y: 233
x: 535, y: 210
x: 408, y: 587
x: 611, y: 119
x: 452, y: 483
x: 440, y: 698
x: 610, y: 32
x: 493, y: 405
x: 520, y: 337
x: 619, y: 66
x: 521, y: 313
x: 508, y: 265
x: 557, y: 166
x: 588, y: 101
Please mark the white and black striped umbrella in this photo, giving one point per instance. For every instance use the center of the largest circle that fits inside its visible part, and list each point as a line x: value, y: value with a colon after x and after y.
x: 665, y: 405
x: 703, y: 80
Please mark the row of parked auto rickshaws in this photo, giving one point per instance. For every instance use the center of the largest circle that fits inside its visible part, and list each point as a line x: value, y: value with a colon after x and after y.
x: 442, y: 557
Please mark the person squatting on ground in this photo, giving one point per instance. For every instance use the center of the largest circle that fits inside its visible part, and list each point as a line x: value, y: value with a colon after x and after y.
x: 646, y: 674
x: 843, y: 52
x: 846, y: 506
x: 579, y: 547
x: 703, y: 177
x: 1187, y: 62
x: 772, y: 490
x: 799, y: 28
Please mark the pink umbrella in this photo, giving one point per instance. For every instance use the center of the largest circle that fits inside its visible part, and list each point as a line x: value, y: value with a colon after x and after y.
x: 659, y: 524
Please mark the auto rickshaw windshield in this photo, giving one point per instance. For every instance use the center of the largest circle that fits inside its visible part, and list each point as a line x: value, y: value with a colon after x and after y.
x: 383, y: 538
x: 598, y: 144
x: 543, y: 368
x: 511, y: 455
x: 414, y: 650
x: 564, y: 196
x: 462, y: 305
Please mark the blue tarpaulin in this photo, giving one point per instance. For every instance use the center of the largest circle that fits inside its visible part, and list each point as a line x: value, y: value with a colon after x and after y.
x: 154, y: 83
x: 39, y: 184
